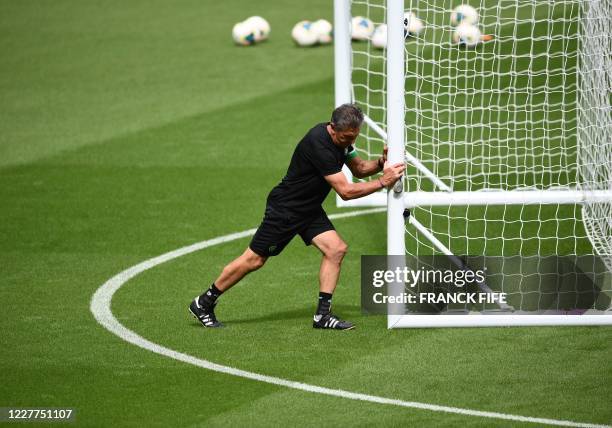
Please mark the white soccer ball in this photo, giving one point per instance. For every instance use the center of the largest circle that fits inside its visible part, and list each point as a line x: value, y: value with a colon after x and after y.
x: 379, y: 38
x: 361, y: 28
x: 464, y: 14
x: 303, y: 34
x: 323, y: 30
x: 260, y: 26
x: 412, y: 24
x: 243, y: 34
x: 467, y: 35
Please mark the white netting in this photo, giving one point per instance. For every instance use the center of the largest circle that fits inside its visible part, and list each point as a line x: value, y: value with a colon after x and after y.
x: 529, y: 109
x: 594, y: 130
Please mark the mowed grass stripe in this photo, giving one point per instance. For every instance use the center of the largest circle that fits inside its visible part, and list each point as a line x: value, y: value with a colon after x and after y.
x: 76, y: 73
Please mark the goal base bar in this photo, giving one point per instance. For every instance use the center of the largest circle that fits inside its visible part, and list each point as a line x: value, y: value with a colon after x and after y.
x: 485, y: 197
x: 506, y: 320
x: 509, y: 197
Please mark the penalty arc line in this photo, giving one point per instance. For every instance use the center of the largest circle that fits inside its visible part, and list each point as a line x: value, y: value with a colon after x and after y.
x: 100, y: 307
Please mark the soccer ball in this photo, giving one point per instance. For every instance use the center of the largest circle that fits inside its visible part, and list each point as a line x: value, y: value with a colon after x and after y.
x: 464, y: 14
x: 260, y: 26
x: 379, y: 38
x: 303, y: 34
x: 412, y: 25
x: 467, y: 35
x: 323, y: 30
x: 243, y: 34
x: 361, y: 28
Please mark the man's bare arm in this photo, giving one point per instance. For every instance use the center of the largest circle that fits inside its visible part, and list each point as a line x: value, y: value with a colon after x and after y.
x: 364, y: 168
x: 347, y: 190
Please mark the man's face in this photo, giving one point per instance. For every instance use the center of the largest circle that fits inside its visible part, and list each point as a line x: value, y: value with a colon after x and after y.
x: 345, y: 137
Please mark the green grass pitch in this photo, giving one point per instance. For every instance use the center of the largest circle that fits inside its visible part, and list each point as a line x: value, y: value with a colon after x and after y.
x: 130, y: 129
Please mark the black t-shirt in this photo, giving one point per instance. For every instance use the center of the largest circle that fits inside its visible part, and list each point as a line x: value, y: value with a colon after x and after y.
x: 303, y: 189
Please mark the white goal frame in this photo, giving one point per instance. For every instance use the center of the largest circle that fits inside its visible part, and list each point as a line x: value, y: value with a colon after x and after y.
x: 397, y: 200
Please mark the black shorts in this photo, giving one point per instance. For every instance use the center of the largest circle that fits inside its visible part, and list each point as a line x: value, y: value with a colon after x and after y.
x: 278, y: 229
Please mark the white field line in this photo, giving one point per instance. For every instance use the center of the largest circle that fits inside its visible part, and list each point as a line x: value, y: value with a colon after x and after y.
x: 101, y: 309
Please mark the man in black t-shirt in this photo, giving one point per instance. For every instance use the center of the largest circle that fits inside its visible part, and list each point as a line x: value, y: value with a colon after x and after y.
x: 294, y: 208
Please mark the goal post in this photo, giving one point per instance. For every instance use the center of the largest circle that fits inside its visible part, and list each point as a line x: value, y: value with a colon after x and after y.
x: 395, y: 138
x: 508, y: 144
x: 342, y: 64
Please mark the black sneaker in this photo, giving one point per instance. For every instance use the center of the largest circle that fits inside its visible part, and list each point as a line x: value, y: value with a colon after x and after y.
x: 205, y: 315
x: 331, y: 321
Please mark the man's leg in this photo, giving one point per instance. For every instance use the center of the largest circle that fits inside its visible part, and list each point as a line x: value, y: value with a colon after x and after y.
x: 203, y: 306
x: 248, y: 262
x: 333, y: 249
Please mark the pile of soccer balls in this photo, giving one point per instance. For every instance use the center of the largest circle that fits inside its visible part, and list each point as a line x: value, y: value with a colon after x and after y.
x: 464, y: 18
x: 307, y: 33
x: 310, y: 33
x: 250, y: 31
x: 413, y: 26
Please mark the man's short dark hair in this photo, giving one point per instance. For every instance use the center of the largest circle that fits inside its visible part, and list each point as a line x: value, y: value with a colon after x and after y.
x: 347, y: 116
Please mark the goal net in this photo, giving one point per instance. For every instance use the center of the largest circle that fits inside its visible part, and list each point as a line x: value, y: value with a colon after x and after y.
x: 508, y: 146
